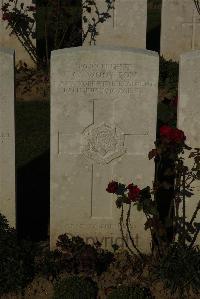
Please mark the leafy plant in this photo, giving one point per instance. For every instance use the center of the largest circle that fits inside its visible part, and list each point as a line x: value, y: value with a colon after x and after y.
x: 82, y: 256
x: 16, y: 260
x: 170, y: 174
x: 98, y: 17
x: 130, y: 292
x: 167, y: 112
x: 104, y: 259
x: 59, y: 23
x: 51, y: 264
x: 59, y: 17
x: 179, y: 269
x: 4, y: 226
x: 22, y: 25
x: 73, y: 256
x: 168, y: 75
x: 75, y: 287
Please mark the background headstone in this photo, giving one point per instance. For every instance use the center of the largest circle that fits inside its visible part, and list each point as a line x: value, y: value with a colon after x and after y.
x: 11, y: 41
x: 7, y: 136
x: 188, y: 118
x: 180, y: 28
x: 126, y: 27
x: 103, y: 124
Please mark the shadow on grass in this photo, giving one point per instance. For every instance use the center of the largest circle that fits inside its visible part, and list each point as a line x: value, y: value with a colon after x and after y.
x: 33, y: 198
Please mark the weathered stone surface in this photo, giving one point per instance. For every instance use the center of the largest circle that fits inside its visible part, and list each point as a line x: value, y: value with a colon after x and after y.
x: 7, y: 136
x: 126, y: 27
x: 188, y: 118
x: 180, y: 28
x: 103, y: 124
x: 11, y: 41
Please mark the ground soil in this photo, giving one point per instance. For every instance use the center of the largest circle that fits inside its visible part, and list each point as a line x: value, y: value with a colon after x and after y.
x: 121, y: 272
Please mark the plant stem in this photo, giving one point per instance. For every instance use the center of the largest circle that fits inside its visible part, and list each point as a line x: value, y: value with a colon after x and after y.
x: 184, y: 205
x: 197, y: 230
x: 129, y: 233
x: 46, y: 35
x: 121, y: 221
x: 63, y: 36
x: 195, y: 212
x: 33, y: 57
x: 194, y: 238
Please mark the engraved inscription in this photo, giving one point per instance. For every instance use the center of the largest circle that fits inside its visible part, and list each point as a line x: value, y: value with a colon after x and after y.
x: 112, y: 79
x: 97, y: 226
x: 102, y: 143
x: 4, y: 136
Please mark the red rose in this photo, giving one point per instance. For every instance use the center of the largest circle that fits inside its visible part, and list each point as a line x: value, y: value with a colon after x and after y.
x: 112, y: 187
x: 178, y: 136
x: 133, y: 193
x: 166, y: 131
x: 172, y: 134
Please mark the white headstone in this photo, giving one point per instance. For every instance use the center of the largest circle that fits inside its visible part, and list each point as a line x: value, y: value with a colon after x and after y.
x: 126, y: 27
x: 188, y: 118
x: 103, y: 124
x: 7, y: 136
x: 180, y: 28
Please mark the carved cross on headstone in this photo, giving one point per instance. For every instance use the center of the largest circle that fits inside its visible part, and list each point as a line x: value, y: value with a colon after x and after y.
x: 101, y: 143
x: 195, y: 21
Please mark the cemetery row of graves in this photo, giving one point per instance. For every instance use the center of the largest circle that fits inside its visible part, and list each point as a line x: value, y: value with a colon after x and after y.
x: 103, y: 119
x: 84, y: 82
x: 103, y: 123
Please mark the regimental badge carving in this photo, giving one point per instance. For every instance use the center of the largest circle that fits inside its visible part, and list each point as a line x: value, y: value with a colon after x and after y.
x: 102, y: 143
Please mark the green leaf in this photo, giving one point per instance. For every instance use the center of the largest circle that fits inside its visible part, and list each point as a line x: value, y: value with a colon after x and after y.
x: 121, y: 189
x: 115, y: 247
x: 152, y: 210
x: 186, y: 193
x: 119, y: 202
x: 197, y: 225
